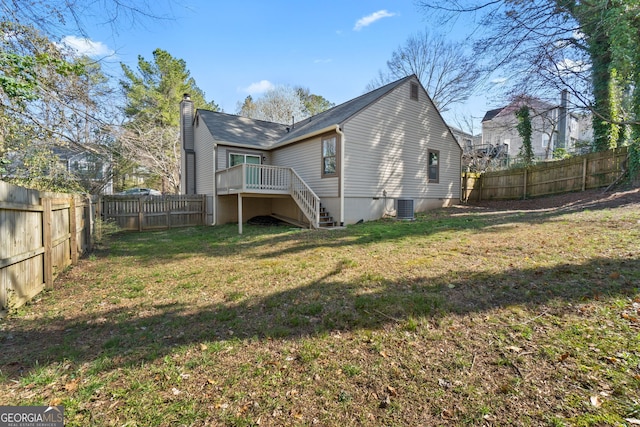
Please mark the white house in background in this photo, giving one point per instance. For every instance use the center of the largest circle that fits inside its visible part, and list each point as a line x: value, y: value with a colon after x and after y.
x: 388, y: 151
x: 553, y: 126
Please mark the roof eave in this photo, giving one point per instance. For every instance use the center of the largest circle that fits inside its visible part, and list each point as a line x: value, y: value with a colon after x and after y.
x: 302, y: 137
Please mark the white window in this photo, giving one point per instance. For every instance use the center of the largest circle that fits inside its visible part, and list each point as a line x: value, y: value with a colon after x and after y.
x: 329, y: 156
x: 545, y: 140
x: 238, y: 159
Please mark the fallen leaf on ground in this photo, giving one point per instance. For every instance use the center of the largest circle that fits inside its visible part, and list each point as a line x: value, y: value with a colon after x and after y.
x: 447, y: 414
x: 71, y: 386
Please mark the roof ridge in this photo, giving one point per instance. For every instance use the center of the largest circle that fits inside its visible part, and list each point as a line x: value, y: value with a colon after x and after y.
x: 242, y: 117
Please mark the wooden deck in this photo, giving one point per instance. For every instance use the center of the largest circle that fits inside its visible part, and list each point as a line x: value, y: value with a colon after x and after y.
x: 249, y: 179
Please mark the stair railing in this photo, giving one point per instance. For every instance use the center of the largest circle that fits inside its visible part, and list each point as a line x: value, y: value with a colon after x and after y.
x: 306, y: 199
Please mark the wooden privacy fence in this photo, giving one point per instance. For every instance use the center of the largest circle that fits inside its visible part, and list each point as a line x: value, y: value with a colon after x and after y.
x: 40, y: 235
x: 139, y: 213
x: 578, y: 173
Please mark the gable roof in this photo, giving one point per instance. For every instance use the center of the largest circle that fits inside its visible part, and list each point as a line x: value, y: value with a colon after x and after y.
x: 237, y: 130
x: 489, y: 115
x: 341, y: 113
x: 535, y: 104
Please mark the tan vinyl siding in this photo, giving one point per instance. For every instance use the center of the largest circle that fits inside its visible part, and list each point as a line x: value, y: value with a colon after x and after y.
x: 394, y: 136
x: 306, y: 159
x: 204, y: 148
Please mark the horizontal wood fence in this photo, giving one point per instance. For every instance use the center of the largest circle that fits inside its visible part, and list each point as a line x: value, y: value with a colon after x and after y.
x: 140, y: 213
x: 578, y: 173
x: 40, y: 235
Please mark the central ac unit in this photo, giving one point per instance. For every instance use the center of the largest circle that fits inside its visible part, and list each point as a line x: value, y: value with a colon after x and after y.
x: 404, y: 209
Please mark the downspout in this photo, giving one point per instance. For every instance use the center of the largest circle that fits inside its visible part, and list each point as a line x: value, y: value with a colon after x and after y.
x: 343, y: 140
x: 214, y: 199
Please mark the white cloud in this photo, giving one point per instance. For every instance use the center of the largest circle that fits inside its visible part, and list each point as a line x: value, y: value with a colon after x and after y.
x: 499, y: 81
x: 571, y: 66
x: 370, y: 19
x: 258, y: 87
x: 86, y: 47
x: 322, y: 61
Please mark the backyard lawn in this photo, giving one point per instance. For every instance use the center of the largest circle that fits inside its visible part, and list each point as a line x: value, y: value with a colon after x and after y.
x: 499, y: 314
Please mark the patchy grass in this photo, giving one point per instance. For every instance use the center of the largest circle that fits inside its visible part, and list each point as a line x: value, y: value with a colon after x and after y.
x: 466, y: 316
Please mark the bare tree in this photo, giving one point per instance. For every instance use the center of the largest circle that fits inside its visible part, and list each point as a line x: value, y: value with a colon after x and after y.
x: 50, y: 98
x: 587, y: 48
x: 281, y: 104
x: 154, y: 148
x: 447, y: 71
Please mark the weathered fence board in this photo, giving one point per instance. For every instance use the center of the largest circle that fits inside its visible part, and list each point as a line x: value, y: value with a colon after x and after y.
x: 139, y: 213
x: 40, y: 235
x: 578, y: 173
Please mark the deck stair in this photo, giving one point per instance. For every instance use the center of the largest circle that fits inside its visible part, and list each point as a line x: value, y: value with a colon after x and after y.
x: 326, y: 220
x: 266, y: 179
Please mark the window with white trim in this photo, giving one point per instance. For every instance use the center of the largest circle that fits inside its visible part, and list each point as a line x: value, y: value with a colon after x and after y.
x: 240, y: 158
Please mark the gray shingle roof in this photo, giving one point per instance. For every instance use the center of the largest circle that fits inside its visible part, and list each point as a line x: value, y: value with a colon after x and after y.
x: 537, y: 105
x: 237, y: 130
x: 491, y: 114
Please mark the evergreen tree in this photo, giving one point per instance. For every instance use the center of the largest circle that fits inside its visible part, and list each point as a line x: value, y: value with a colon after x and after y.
x: 150, y: 136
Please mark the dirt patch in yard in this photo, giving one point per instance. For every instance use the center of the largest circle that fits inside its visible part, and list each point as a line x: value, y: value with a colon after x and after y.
x: 590, y: 199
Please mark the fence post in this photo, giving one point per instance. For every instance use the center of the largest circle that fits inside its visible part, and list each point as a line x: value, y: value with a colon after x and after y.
x: 480, y: 185
x: 73, y: 229
x: 465, y: 182
x: 524, y: 195
x: 584, y: 174
x: 47, y: 242
x: 91, y: 229
x: 204, y: 209
x: 140, y: 213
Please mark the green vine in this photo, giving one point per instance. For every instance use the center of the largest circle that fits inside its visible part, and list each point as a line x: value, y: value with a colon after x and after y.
x: 525, y: 132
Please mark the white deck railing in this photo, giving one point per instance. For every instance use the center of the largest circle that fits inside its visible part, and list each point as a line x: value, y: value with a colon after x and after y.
x: 266, y: 179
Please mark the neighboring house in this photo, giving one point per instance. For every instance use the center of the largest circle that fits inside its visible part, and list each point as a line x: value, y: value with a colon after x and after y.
x: 360, y: 160
x: 92, y: 169
x: 553, y: 127
x: 475, y: 156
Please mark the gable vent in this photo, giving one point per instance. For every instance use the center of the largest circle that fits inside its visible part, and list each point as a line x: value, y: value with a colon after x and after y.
x: 414, y: 91
x: 405, y: 209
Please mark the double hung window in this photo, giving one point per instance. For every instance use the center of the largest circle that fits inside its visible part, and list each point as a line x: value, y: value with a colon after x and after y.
x: 330, y: 156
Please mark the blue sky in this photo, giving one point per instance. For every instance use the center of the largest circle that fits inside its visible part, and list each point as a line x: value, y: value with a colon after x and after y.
x: 242, y: 47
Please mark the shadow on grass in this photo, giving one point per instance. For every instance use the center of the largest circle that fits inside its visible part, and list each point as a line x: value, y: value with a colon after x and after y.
x: 133, y: 336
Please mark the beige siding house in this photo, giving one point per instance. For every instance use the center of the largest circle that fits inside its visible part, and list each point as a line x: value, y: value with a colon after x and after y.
x: 356, y: 161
